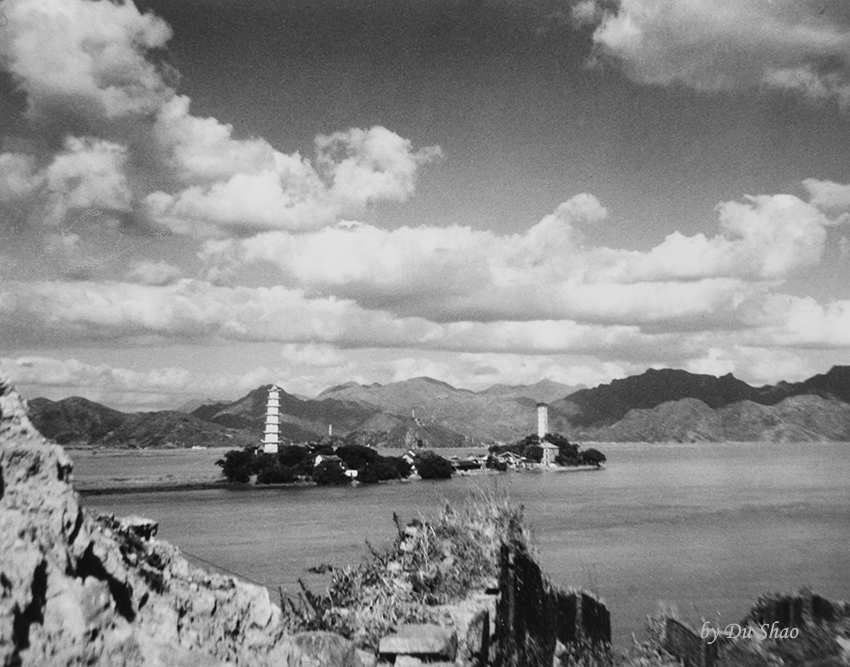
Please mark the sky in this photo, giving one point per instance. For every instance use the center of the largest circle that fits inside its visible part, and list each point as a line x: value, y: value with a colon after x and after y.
x: 198, y: 197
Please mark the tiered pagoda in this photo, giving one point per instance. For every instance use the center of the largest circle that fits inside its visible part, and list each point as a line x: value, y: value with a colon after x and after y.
x: 271, y: 438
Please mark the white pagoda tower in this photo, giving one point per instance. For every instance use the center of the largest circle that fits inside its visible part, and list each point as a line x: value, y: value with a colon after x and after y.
x: 542, y: 420
x: 271, y: 438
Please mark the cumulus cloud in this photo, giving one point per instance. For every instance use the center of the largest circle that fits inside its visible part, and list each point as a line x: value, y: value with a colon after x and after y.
x: 714, y: 45
x: 51, y: 313
x: 759, y: 365
x: 802, y: 322
x: 129, y: 143
x: 154, y: 273
x: 353, y: 169
x: 86, y: 59
x: 89, y: 173
x: 828, y: 195
x: 550, y: 271
x: 19, y: 177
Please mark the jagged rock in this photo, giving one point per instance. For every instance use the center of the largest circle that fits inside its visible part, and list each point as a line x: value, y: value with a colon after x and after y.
x: 139, y: 526
x: 474, y: 622
x: 418, y: 640
x: 367, y: 659
x: 84, y: 589
x: 326, y: 648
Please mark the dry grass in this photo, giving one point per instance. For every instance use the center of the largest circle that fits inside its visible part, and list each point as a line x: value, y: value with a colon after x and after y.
x: 432, y: 561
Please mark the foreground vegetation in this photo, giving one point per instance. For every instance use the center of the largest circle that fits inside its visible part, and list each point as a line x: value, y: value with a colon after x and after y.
x: 448, y: 557
x: 434, y: 562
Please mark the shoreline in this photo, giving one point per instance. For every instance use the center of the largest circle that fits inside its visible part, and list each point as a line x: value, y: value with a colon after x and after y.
x: 107, y: 489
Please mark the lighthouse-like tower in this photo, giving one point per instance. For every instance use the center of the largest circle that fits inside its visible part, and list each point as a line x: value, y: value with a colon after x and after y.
x: 271, y: 439
x: 542, y: 420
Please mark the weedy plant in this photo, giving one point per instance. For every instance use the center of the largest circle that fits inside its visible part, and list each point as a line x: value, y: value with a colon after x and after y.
x: 434, y: 561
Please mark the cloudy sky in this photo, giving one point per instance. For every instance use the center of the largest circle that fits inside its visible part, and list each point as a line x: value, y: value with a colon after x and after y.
x: 199, y: 197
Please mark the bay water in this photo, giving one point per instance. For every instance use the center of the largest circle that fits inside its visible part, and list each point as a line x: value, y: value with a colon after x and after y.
x: 706, y: 528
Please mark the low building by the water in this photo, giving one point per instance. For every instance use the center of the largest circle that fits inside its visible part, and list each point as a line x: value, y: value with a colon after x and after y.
x: 550, y: 453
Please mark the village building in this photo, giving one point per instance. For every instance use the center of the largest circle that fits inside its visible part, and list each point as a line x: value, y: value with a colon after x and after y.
x: 550, y: 453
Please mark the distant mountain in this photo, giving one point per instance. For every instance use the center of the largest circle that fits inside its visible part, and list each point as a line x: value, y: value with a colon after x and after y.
x: 415, y: 433
x: 803, y: 418
x: 479, y: 416
x: 77, y: 420
x: 300, y: 419
x: 171, y: 428
x: 609, y: 403
x: 73, y: 419
x: 658, y: 405
x: 190, y: 406
x: 834, y: 384
x: 545, y: 391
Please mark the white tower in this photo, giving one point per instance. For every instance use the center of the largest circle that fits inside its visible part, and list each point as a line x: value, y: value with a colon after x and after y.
x: 271, y: 438
x: 542, y: 420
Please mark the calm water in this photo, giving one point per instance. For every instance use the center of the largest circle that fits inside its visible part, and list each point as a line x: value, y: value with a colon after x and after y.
x: 706, y: 528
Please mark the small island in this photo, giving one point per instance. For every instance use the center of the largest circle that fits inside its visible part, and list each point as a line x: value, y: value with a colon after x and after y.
x: 334, y: 462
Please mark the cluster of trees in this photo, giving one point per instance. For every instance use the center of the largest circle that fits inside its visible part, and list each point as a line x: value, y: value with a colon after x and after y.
x: 298, y: 462
x: 568, y: 453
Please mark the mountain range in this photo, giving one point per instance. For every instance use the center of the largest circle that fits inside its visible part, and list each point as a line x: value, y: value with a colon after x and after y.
x: 658, y: 405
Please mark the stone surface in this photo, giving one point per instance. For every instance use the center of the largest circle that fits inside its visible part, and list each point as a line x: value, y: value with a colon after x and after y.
x: 83, y: 589
x: 408, y: 661
x: 367, y: 659
x: 432, y: 641
x: 326, y: 648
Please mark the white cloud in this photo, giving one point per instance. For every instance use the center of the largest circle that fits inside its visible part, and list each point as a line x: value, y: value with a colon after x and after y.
x: 714, y: 45
x: 585, y: 12
x: 802, y: 322
x: 758, y: 365
x: 153, y: 273
x: 367, y: 165
x: 549, y: 272
x: 89, y: 173
x: 203, y: 150
x: 353, y: 169
x: 125, y: 388
x: 311, y: 354
x: 19, y: 177
x: 132, y: 145
x: 828, y: 195
x: 84, y: 58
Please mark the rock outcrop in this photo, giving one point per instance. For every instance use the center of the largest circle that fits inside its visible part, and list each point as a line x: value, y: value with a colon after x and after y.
x: 84, y: 589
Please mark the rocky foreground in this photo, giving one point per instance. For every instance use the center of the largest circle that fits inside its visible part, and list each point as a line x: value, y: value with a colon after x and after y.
x: 78, y: 589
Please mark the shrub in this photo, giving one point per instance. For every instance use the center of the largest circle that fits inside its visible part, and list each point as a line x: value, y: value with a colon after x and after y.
x: 237, y: 465
x: 434, y: 467
x: 401, y: 465
x: 562, y: 460
x: 330, y: 473
x: 495, y: 464
x: 593, y: 457
x: 262, y: 461
x: 357, y: 456
x: 533, y: 453
x: 378, y: 471
x: 292, y: 456
x: 276, y: 474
